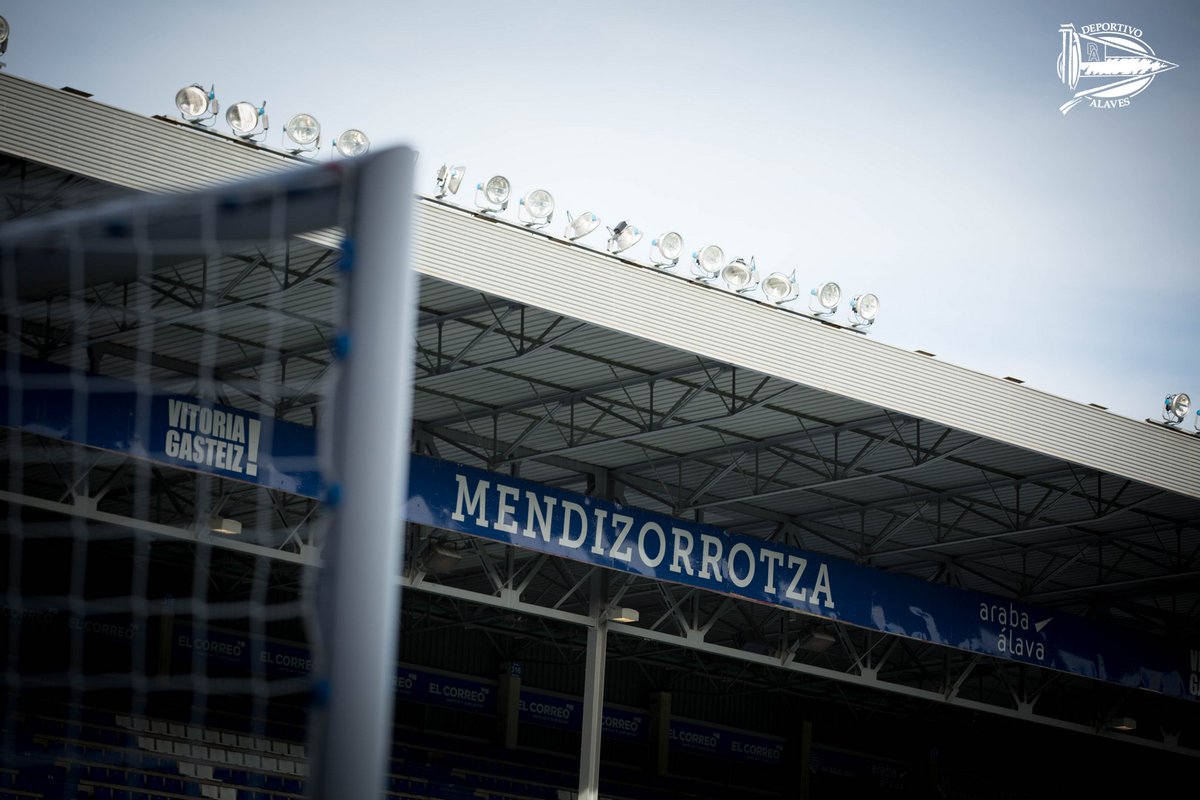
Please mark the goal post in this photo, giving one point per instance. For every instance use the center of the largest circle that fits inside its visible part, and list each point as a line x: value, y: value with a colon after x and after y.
x: 369, y: 478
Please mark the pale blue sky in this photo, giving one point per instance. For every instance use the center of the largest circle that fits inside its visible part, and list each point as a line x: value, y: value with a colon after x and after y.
x: 911, y: 149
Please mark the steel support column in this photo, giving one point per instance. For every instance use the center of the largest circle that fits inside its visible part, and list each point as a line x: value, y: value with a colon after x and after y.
x: 593, y: 700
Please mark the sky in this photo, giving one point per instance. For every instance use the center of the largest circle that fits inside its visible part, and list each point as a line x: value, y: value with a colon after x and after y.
x: 914, y: 150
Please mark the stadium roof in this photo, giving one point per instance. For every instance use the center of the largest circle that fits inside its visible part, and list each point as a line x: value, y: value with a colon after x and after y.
x: 578, y: 369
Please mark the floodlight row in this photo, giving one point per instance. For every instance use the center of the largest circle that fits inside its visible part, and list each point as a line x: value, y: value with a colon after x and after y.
x: 248, y: 121
x: 536, y: 210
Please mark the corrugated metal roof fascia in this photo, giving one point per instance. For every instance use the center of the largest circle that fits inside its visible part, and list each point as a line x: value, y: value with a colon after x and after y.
x: 84, y: 137
x: 593, y: 287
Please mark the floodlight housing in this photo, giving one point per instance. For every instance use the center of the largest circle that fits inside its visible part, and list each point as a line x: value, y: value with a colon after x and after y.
x: 536, y: 209
x: 352, y: 143
x: 1176, y: 407
x: 666, y: 249
x: 4, y: 31
x: 824, y: 298
x: 196, y: 104
x: 622, y: 236
x: 440, y: 558
x: 491, y: 196
x: 707, y: 262
x: 817, y: 641
x: 779, y: 288
x: 625, y: 615
x: 740, y: 276
x: 863, y: 310
x: 247, y: 120
x: 449, y: 179
x: 229, y: 527
x: 580, y: 226
x: 305, y: 133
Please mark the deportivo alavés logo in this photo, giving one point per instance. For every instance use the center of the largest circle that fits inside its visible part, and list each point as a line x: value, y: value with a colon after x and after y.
x: 1112, y: 62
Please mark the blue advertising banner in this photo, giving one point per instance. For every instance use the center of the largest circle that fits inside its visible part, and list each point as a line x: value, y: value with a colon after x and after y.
x: 552, y: 710
x: 624, y: 723
x: 284, y: 659
x: 559, y: 711
x: 224, y: 441
x: 176, y: 430
x: 228, y: 649
x: 599, y: 532
x: 445, y: 690
x: 866, y: 770
x: 707, y: 740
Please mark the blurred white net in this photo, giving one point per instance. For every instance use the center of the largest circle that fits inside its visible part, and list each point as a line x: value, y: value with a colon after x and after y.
x: 167, y: 363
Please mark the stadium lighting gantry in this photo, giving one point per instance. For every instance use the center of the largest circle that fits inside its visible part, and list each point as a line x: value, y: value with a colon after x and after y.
x: 535, y: 209
x: 824, y: 298
x: 623, y: 236
x: 305, y: 133
x: 1176, y: 407
x: 740, y: 276
x: 780, y: 288
x: 707, y: 262
x: 863, y: 310
x: 449, y: 179
x: 666, y: 249
x: 197, y: 105
x: 492, y: 196
x: 351, y: 143
x: 580, y: 226
x: 248, y: 120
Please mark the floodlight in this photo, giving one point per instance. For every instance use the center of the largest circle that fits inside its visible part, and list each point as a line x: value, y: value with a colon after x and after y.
x: 623, y: 236
x: 229, y: 527
x: 626, y: 615
x: 1176, y: 407
x: 449, y: 179
x: 247, y: 120
x: 740, y: 276
x: 492, y: 196
x: 197, y: 105
x: 863, y: 310
x: 441, y: 558
x: 780, y: 288
x: 824, y: 298
x: 3, y: 35
x: 536, y: 209
x: 351, y: 143
x: 707, y: 262
x: 304, y: 131
x: 666, y: 249
x: 817, y: 641
x: 578, y: 227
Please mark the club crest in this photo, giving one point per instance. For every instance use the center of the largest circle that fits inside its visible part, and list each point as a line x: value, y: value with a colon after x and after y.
x: 1105, y: 64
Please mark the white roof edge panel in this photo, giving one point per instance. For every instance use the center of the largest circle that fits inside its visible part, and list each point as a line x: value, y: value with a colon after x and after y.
x: 595, y: 287
x: 84, y: 137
